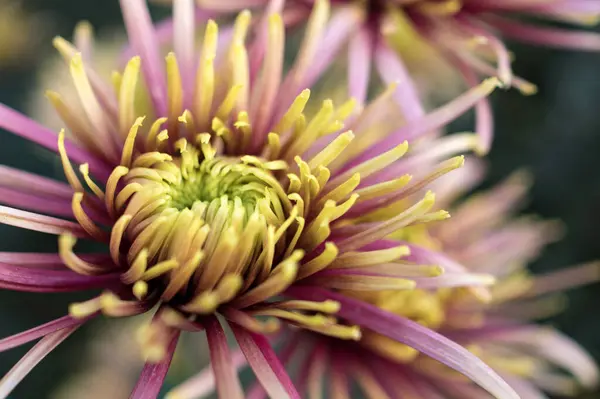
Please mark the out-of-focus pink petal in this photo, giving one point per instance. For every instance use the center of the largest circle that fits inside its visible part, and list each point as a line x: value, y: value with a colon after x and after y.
x: 391, y: 69
x: 143, y: 41
x: 433, y: 121
x: 183, y: 43
x: 203, y: 383
x: 228, y: 384
x: 524, y: 388
x: 36, y: 203
x: 32, y: 358
x: 52, y: 261
x: 554, y: 37
x: 34, y: 184
x: 40, y: 331
x: 359, y: 64
x: 414, y: 335
x: 41, y: 223
x: 265, y: 364
x: 343, y: 23
x: 558, y: 349
x: 230, y: 5
x: 21, y: 125
x: 153, y: 374
x: 19, y: 278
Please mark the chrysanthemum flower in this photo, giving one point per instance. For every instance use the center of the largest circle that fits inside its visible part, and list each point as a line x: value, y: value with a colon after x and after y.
x: 214, y: 192
x: 434, y: 42
x: 500, y: 328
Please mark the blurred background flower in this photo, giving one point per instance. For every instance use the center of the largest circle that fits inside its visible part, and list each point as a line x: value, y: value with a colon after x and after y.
x: 20, y: 33
x: 556, y: 134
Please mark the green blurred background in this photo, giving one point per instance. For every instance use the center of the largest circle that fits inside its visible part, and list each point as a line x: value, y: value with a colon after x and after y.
x: 556, y: 134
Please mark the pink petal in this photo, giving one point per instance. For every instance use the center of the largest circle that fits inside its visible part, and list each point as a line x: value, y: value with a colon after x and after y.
x: 183, y: 43
x: 34, y: 184
x: 21, y: 125
x: 19, y: 278
x: 41, y: 223
x: 342, y: 25
x: 230, y: 5
x: 46, y: 260
x: 31, y: 359
x: 359, y: 64
x: 153, y: 374
x: 40, y: 331
x: 391, y: 69
x: 524, y: 388
x: 265, y: 364
x: 414, y: 335
x: 432, y: 121
x: 203, y: 383
x: 228, y: 384
x: 143, y: 41
x: 36, y: 203
x: 554, y: 37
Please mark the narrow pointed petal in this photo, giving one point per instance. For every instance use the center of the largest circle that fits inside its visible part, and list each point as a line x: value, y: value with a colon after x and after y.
x: 143, y: 40
x: 153, y: 374
x: 40, y: 331
x: 265, y: 364
x: 21, y: 125
x: 228, y: 384
x: 19, y: 278
x: 31, y: 359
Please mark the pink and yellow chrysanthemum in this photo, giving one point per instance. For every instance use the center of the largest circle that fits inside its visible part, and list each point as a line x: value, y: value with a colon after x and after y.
x: 429, y: 44
x: 215, y: 192
x: 500, y: 328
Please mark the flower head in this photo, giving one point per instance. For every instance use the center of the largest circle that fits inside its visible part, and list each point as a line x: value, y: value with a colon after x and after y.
x: 499, y: 328
x: 429, y: 44
x: 215, y: 191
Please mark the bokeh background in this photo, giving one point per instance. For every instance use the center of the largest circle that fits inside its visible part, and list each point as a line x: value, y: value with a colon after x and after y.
x: 555, y: 134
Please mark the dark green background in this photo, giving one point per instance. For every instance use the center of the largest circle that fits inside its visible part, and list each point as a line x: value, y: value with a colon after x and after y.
x: 556, y: 134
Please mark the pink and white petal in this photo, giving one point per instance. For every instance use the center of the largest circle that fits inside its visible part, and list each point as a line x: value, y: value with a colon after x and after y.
x: 432, y: 121
x: 258, y: 46
x: 19, y: 278
x: 414, y: 335
x: 36, y: 203
x: 22, y: 126
x: 37, y: 260
x: 153, y: 374
x: 559, y: 349
x: 265, y: 364
x: 40, y: 331
x: 41, y: 223
x: 32, y: 358
x: 447, y: 280
x: 341, y: 27
x: 391, y: 69
x: 34, y: 184
x: 359, y: 64
x: 183, y: 43
x: 143, y: 41
x: 524, y: 388
x: 202, y: 384
x: 484, y: 120
x: 227, y: 381
x: 554, y: 37
x: 230, y: 5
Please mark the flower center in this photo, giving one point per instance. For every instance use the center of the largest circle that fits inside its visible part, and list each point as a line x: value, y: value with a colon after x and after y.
x: 200, y: 221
